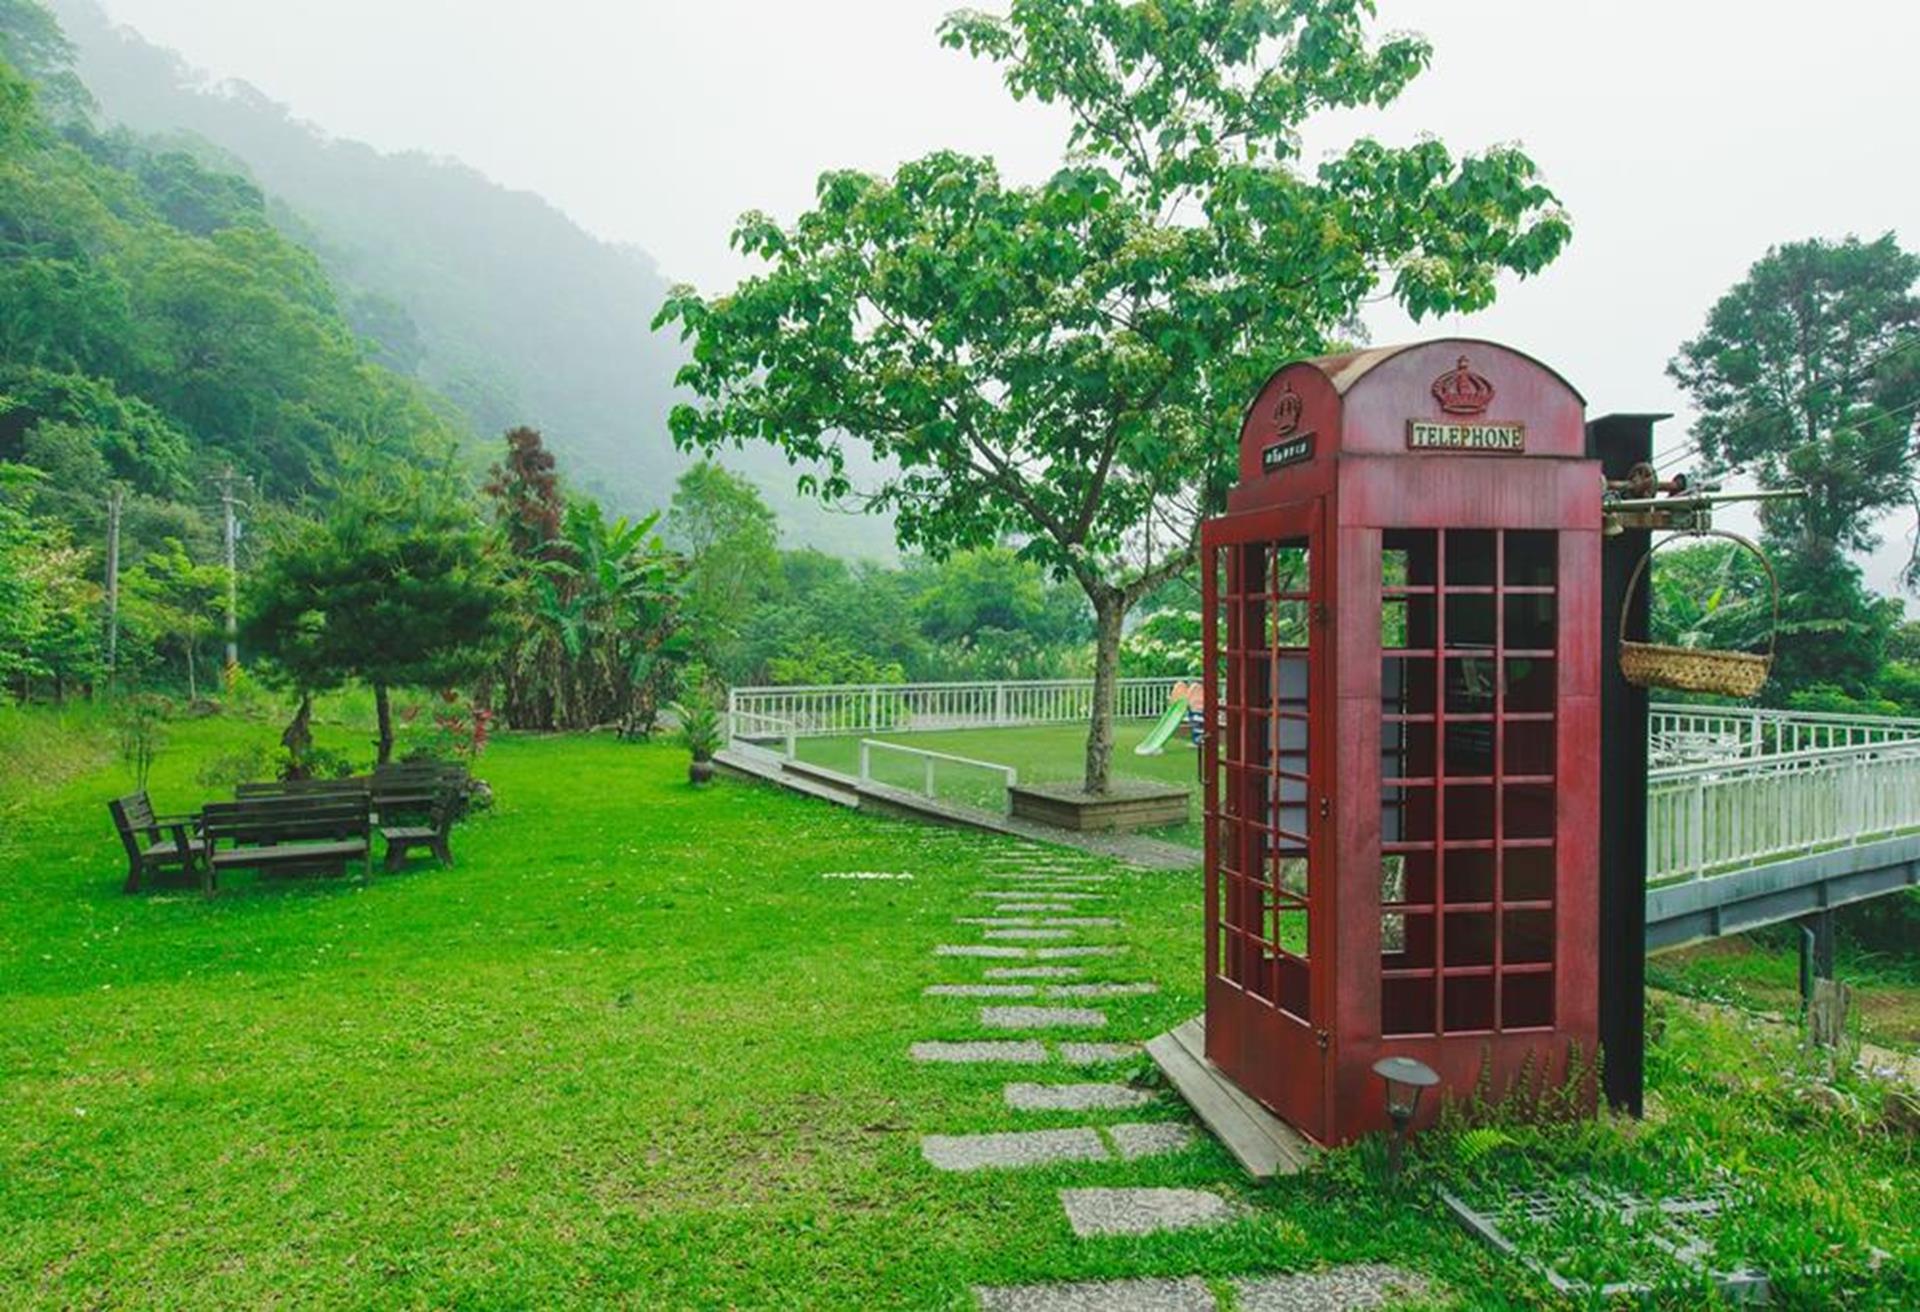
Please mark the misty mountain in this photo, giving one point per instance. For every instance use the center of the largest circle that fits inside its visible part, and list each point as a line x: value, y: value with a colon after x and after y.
x: 492, y: 297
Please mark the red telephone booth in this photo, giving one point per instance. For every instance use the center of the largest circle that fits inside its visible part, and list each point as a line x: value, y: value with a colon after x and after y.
x: 1402, y: 793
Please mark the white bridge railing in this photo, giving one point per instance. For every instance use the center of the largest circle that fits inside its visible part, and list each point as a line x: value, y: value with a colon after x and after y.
x: 1709, y: 818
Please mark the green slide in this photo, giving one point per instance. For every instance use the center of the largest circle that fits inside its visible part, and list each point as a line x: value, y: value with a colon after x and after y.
x: 1156, y: 742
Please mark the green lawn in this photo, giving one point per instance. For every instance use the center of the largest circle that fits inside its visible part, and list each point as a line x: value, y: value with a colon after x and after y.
x: 635, y: 1051
x: 1043, y: 754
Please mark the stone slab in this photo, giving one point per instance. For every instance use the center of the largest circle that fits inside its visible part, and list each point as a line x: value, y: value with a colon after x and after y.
x: 1075, y: 1097
x: 1001, y: 922
x: 1084, y: 950
x: 1103, y: 922
x: 1150, y: 1139
x: 1338, y: 1289
x: 1107, y: 989
x: 1035, y: 972
x: 1024, y: 908
x: 1056, y: 894
x: 1187, y: 1294
x: 1095, y: 1054
x: 1041, y: 1018
x: 1023, y: 1052
x: 1018, y: 1148
x: 1029, y: 935
x: 981, y: 990
x: 977, y: 950
x: 1143, y: 1211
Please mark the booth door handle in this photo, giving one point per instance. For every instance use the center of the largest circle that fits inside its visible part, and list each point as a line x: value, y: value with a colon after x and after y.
x: 1326, y: 808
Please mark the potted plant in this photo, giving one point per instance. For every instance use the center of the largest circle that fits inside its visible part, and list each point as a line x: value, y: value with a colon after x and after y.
x: 701, y: 734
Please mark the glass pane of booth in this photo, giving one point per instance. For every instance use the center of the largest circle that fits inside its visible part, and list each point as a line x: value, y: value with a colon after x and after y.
x: 1468, y: 688
x: 1262, y: 816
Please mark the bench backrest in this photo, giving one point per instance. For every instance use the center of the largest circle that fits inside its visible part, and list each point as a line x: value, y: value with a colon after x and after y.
x: 315, y: 818
x: 297, y: 787
x: 133, y: 818
x: 449, y: 771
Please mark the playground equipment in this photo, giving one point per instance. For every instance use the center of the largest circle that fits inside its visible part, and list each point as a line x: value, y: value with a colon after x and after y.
x: 1186, y: 709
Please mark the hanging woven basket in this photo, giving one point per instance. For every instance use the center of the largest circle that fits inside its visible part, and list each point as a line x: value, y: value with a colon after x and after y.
x: 1698, y: 669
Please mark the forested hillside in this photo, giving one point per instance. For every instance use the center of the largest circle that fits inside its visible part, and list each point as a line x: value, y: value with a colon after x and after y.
x: 492, y: 297
x: 155, y: 330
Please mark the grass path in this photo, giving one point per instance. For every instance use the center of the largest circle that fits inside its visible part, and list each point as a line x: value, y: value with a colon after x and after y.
x: 634, y: 1051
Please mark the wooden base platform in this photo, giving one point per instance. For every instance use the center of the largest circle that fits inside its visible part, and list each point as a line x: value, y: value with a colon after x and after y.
x: 1261, y: 1142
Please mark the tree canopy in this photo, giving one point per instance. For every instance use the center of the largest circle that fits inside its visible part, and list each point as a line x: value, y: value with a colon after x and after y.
x: 1060, y: 365
x: 1808, y: 373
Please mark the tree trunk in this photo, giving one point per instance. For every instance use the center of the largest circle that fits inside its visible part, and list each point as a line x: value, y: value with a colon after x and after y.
x: 383, y: 707
x: 298, y: 738
x: 193, y: 691
x: 1108, y: 614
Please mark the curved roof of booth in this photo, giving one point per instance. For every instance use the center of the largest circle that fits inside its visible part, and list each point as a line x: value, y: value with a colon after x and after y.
x: 1343, y: 371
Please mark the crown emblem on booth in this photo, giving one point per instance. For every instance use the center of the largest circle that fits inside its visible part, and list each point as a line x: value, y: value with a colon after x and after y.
x: 1287, y: 409
x: 1461, y: 391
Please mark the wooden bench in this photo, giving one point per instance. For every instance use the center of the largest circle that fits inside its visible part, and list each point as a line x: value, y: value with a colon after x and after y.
x: 409, y: 789
x: 434, y: 833
x: 158, y: 843
x: 316, y: 832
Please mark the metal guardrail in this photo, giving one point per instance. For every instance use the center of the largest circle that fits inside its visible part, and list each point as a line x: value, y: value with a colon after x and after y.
x: 931, y: 761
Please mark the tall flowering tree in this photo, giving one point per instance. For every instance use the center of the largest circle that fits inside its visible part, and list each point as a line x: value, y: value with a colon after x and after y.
x: 1062, y: 365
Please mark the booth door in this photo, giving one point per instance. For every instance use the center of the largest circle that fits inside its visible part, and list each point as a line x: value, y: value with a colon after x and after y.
x: 1266, y: 836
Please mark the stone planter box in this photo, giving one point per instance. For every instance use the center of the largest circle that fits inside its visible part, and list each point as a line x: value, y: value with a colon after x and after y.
x: 1129, y: 806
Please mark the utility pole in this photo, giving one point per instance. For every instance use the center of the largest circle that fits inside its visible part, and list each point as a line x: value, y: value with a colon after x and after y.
x: 232, y: 536
x: 116, y: 503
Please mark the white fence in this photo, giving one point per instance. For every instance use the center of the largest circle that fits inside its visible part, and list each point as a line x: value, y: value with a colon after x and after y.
x: 762, y: 715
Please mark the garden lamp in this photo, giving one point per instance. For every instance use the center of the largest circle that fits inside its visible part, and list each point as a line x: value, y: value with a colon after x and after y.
x: 1406, y: 1079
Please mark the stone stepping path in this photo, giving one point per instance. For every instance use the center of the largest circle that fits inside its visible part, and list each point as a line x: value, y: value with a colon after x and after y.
x: 1082, y: 922
x: 1002, y: 894
x: 1016, y: 1149
x: 1144, y: 1211
x: 1075, y: 1097
x: 1097, y: 1054
x: 1338, y: 1289
x: 1150, y: 1139
x: 1006, y: 950
x: 1042, y: 1018
x: 1103, y: 990
x: 1029, y: 1052
x: 982, y: 990
x: 1188, y: 1294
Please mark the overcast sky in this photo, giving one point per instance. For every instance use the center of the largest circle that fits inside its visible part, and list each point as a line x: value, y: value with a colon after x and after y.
x: 1685, y: 136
